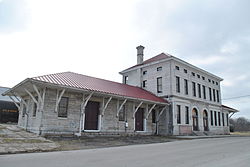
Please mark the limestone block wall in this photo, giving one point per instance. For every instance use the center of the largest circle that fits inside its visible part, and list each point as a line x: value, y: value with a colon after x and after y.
x: 151, y: 77
x: 165, y: 122
x: 199, y: 77
x: 28, y: 121
x: 200, y: 107
x: 49, y: 122
x: 111, y: 123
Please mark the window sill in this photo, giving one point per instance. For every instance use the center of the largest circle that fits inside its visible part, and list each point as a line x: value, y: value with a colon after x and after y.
x: 62, y: 118
x: 140, y: 131
x: 91, y: 131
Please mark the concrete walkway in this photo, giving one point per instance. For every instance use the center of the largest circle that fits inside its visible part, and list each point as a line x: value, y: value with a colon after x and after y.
x: 16, y: 140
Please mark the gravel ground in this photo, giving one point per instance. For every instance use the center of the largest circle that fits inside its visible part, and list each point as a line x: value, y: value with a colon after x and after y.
x: 16, y: 140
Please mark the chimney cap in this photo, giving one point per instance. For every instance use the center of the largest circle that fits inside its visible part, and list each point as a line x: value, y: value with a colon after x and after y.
x: 140, y: 46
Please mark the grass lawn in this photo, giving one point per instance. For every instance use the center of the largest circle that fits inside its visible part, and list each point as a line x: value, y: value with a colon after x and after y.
x: 241, y: 133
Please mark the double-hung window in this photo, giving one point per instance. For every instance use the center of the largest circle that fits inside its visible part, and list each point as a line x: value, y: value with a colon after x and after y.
x: 177, y: 84
x: 159, y: 85
x: 186, y: 86
x: 194, y: 88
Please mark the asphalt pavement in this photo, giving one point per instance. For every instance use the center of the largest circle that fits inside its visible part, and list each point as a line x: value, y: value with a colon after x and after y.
x: 219, y: 152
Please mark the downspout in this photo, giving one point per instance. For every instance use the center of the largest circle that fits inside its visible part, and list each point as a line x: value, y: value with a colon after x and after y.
x: 171, y: 108
x: 156, y: 128
x: 126, y: 120
x: 140, y: 73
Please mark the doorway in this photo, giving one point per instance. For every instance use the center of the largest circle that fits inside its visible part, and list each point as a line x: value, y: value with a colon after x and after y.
x: 91, y: 116
x: 139, y: 119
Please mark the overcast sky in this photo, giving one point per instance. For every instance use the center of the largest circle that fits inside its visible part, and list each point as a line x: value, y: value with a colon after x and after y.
x: 98, y: 38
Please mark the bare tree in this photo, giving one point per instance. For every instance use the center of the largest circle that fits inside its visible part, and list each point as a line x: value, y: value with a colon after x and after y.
x: 239, y: 124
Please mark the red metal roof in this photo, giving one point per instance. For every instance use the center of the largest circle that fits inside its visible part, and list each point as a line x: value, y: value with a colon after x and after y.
x: 153, y: 59
x: 80, y: 81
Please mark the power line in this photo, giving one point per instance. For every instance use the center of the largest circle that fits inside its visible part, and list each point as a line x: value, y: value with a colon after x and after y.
x: 237, y: 97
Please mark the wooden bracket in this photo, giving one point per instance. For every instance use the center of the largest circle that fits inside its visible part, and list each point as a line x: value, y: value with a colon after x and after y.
x: 150, y: 110
x: 17, y: 105
x: 85, y: 101
x: 231, y: 114
x: 43, y: 98
x: 15, y: 95
x: 82, y: 112
x: 105, y: 105
x: 33, y: 98
x: 137, y: 109
x: 119, y: 109
x: 158, y: 118
x: 58, y: 98
x: 37, y: 92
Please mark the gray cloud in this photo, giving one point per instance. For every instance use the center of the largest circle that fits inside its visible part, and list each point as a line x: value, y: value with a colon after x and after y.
x: 198, y: 30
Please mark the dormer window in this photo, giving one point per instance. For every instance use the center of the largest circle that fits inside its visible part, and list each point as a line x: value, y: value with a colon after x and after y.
x: 159, y: 68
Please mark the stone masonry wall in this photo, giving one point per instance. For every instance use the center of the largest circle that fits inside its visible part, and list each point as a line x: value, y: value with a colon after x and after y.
x: 51, y: 123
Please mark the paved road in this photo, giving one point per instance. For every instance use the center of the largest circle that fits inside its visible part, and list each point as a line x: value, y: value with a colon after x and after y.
x: 219, y: 152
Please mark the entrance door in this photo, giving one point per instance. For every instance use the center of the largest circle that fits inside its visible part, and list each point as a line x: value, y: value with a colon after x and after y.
x: 91, y: 116
x: 139, y: 120
x: 195, y: 119
x: 205, y: 120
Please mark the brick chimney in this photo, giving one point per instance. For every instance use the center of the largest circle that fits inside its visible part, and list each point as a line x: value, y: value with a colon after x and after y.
x: 140, y: 54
